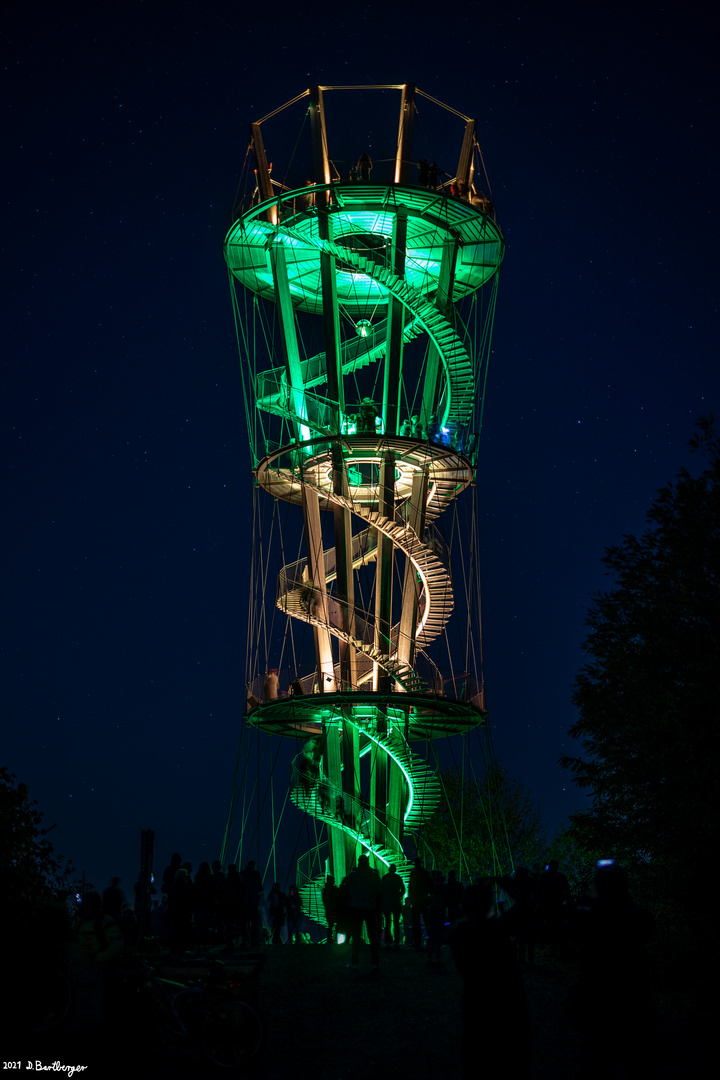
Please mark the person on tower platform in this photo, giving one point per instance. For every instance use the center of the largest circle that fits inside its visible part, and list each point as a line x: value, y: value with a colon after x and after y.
x: 432, y: 179
x: 367, y: 414
x: 433, y: 431
x: 418, y: 431
x: 423, y: 170
x: 365, y: 166
x: 270, y: 686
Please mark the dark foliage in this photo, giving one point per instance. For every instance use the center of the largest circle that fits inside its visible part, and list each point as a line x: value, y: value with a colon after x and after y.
x: 32, y: 872
x: 485, y: 827
x: 648, y: 698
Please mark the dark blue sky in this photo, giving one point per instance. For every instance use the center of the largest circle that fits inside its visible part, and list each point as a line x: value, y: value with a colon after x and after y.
x: 127, y: 490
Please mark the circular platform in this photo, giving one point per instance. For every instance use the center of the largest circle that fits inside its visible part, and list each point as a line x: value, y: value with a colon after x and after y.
x: 449, y: 472
x: 416, y: 716
x: 362, y: 217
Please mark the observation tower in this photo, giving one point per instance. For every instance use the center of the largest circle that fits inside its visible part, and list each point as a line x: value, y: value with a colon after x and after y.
x: 364, y: 294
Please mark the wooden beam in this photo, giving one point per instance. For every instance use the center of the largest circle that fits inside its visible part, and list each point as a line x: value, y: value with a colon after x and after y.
x: 262, y: 172
x: 403, y: 156
x: 465, y: 165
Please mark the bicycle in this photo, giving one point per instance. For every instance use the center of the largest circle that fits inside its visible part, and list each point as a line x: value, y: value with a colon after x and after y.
x: 228, y: 1029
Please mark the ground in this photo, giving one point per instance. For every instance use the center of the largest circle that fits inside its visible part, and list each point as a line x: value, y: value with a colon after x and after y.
x: 329, y: 1022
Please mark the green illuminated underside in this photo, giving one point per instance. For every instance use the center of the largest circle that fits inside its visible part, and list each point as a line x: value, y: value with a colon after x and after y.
x: 419, y: 716
x: 362, y: 218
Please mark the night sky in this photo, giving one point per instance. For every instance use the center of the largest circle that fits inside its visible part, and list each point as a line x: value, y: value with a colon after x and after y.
x: 126, y: 470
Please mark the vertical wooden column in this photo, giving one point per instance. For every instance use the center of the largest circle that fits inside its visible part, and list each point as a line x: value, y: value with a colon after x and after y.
x: 465, y: 165
x: 378, y: 794
x: 403, y: 157
x: 411, y: 588
x: 316, y: 566
x: 333, y: 770
x: 263, y: 173
x: 384, y: 570
x: 444, y: 304
x: 289, y: 341
x: 394, y: 342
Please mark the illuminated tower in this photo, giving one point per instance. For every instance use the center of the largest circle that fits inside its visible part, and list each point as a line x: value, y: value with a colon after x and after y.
x: 364, y: 311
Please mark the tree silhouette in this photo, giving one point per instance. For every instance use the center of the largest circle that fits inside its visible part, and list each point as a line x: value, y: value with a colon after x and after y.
x: 31, y: 870
x: 486, y: 827
x: 648, y: 695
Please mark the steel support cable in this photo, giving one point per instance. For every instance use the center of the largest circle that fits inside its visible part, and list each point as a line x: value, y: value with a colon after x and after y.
x: 253, y: 615
x: 234, y: 799
x: 408, y: 542
x: 482, y: 162
x: 458, y: 832
x: 294, y: 150
x: 241, y: 345
x: 275, y: 831
x: 489, y: 759
x: 260, y: 803
x: 244, y: 172
x: 454, y: 357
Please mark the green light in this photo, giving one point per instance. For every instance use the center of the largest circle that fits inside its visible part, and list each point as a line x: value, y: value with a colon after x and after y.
x: 363, y: 327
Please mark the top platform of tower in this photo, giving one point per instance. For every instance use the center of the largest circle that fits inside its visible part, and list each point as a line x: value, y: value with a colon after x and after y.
x: 361, y: 224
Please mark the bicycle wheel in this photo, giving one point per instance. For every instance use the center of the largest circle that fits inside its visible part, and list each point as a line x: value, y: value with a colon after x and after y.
x: 53, y: 1003
x: 232, y: 1033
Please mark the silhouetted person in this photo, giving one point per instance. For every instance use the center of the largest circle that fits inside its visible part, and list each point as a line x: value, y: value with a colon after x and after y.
x: 294, y: 915
x: 367, y: 414
x: 496, y: 1026
x: 611, y: 1002
x: 231, y: 905
x: 331, y: 903
x: 520, y: 919
x: 113, y: 899
x: 253, y: 886
x: 96, y: 963
x: 364, y: 165
x: 423, y: 171
x: 392, y: 890
x: 435, y: 918
x: 169, y: 872
x: 180, y: 911
x: 433, y: 431
x: 204, y: 897
x: 432, y: 176
x: 419, y: 888
x: 453, y: 897
x: 553, y: 893
x: 363, y: 897
x: 276, y: 905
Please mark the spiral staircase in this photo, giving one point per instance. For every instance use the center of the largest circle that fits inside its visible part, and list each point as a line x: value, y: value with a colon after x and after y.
x: 406, y: 255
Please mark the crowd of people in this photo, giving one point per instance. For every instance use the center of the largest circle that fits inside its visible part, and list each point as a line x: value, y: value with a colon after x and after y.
x: 227, y: 905
x: 490, y: 938
x: 490, y: 928
x: 429, y: 176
